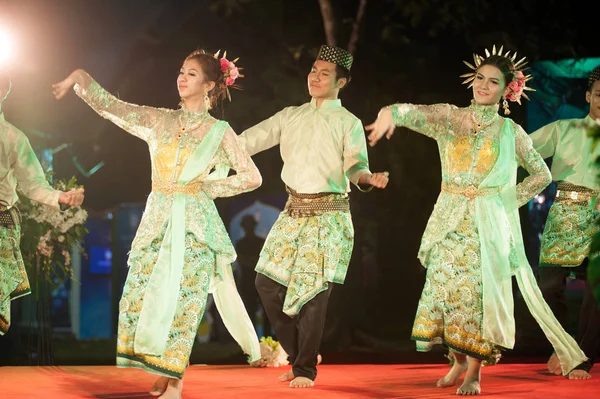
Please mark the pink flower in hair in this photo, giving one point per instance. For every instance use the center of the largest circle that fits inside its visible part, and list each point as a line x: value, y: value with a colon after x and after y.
x: 224, y: 64
x: 234, y: 73
x: 514, y: 86
x: 229, y: 81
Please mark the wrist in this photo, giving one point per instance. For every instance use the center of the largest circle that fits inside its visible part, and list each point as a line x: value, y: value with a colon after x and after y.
x: 365, y: 178
x: 384, y: 110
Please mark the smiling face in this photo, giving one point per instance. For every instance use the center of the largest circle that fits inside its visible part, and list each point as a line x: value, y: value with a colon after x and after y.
x: 322, y: 81
x: 191, y: 81
x: 489, y: 85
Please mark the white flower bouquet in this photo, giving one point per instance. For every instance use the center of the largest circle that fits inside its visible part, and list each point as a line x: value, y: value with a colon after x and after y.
x: 48, y: 235
x: 272, y: 354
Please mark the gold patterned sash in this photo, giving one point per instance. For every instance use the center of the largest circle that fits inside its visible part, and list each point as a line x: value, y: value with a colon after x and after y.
x: 471, y: 192
x: 574, y: 193
x: 175, y: 188
x: 306, y: 205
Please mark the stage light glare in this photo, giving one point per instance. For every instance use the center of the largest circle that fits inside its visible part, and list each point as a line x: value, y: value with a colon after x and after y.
x: 6, y: 47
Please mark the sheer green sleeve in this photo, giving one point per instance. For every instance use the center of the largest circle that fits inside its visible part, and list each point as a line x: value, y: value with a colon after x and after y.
x: 528, y: 158
x: 431, y: 120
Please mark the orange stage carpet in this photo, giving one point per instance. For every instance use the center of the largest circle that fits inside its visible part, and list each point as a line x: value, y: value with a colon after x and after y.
x: 505, y: 381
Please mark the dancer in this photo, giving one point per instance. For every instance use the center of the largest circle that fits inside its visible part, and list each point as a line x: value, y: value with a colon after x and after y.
x: 323, y: 148
x: 473, y: 242
x: 181, y: 251
x: 572, y: 222
x: 19, y: 167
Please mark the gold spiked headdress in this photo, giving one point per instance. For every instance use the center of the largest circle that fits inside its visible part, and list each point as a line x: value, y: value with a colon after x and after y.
x: 517, y: 86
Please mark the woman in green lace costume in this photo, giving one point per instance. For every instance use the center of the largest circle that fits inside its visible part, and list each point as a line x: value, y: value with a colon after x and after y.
x: 472, y: 245
x: 181, y: 250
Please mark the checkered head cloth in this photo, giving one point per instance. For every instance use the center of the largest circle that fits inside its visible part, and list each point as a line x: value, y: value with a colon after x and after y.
x: 594, y: 76
x: 335, y: 55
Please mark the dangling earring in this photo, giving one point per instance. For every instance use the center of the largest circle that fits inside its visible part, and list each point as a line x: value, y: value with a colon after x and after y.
x: 505, y: 106
x: 206, y: 102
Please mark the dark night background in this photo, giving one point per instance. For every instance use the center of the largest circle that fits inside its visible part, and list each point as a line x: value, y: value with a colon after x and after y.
x: 407, y: 51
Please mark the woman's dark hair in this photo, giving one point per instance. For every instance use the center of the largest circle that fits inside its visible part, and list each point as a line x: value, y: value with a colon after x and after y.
x: 504, y: 64
x: 211, y: 67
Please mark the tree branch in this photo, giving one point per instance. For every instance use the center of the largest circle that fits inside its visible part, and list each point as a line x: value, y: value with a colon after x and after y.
x: 328, y: 21
x: 356, y: 26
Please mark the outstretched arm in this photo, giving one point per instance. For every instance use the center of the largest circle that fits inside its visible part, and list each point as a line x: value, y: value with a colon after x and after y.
x: 135, y: 119
x: 263, y: 135
x: 545, y: 138
x: 430, y: 120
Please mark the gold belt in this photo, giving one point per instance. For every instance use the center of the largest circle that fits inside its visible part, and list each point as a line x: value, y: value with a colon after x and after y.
x: 574, y: 193
x: 175, y: 188
x: 305, y: 205
x: 471, y: 192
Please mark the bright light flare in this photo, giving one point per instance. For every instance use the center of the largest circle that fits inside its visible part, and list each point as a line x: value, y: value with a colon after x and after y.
x: 6, y: 47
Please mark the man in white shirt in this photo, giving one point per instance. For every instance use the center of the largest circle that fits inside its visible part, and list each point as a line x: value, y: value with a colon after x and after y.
x: 19, y: 167
x: 572, y: 222
x: 323, y: 148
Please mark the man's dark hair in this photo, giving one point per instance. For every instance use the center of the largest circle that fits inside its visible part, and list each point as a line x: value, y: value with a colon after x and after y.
x: 341, y: 72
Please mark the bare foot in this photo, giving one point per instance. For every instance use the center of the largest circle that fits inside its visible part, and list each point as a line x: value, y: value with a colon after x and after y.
x: 287, y: 376
x: 173, y: 390
x: 450, y: 379
x: 579, y: 375
x: 159, y: 386
x: 290, y: 374
x: 554, y: 365
x: 469, y: 387
x: 301, y: 382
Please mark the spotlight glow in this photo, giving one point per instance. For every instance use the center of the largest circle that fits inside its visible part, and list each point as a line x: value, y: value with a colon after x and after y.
x: 6, y: 47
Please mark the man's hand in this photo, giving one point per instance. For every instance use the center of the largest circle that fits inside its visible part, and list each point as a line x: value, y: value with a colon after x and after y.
x: 379, y: 180
x: 72, y: 198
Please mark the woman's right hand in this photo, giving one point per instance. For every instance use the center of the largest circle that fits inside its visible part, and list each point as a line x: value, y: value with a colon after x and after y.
x: 61, y: 88
x: 384, y: 125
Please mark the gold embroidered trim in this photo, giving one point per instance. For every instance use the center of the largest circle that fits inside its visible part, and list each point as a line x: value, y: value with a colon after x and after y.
x: 174, y: 188
x: 306, y: 205
x: 574, y: 193
x: 471, y: 192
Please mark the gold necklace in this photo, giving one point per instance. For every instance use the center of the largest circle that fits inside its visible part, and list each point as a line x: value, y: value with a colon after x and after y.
x: 183, y: 127
x: 479, y: 126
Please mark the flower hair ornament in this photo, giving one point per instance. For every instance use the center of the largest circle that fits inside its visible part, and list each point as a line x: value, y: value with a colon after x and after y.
x: 518, y: 85
x: 230, y: 72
